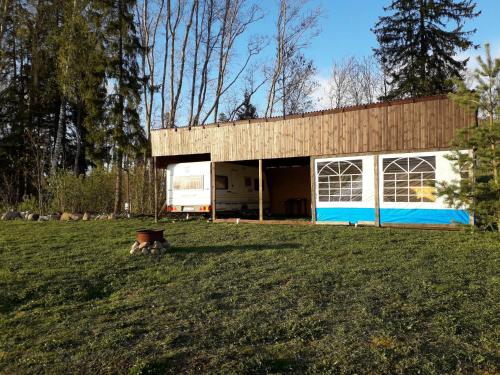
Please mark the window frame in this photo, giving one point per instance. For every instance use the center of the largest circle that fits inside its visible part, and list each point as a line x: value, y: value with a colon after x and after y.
x: 218, y: 178
x: 340, y: 181
x: 193, y: 177
x: 408, y: 177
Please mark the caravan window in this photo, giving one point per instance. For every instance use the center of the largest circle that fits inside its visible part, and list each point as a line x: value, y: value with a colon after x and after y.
x: 410, y: 179
x: 188, y: 182
x: 340, y: 181
x: 221, y: 182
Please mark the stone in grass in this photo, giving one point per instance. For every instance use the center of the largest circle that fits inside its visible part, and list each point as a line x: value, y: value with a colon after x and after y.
x: 54, y: 217
x: 143, y: 245
x: 76, y: 217
x: 165, y: 244
x: 66, y: 216
x: 146, y: 251
x: 11, y: 215
x: 156, y: 251
x: 33, y: 217
x: 157, y: 245
x: 86, y: 216
x: 135, y: 248
x: 43, y: 218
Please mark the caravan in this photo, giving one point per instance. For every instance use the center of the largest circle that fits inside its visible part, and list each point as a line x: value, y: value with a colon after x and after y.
x: 236, y: 185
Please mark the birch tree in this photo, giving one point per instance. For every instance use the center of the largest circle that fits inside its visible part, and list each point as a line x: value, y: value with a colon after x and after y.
x: 295, y: 26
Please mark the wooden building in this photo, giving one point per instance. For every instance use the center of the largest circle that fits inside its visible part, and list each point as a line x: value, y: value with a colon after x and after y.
x: 366, y: 164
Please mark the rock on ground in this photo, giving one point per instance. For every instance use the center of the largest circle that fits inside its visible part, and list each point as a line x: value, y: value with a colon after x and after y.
x: 33, y: 217
x: 86, y: 216
x: 11, y: 215
x: 143, y: 245
x: 66, y: 216
x: 76, y: 217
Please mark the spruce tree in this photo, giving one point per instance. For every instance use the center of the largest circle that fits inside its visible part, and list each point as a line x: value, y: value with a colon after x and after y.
x: 479, y: 190
x: 247, y: 109
x: 122, y: 46
x: 418, y: 44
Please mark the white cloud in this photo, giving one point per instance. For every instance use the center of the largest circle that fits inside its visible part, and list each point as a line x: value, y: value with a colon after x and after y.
x: 320, y: 94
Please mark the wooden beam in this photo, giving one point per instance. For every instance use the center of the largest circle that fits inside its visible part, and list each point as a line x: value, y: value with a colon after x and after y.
x: 156, y: 189
x: 312, y: 172
x: 261, y: 200
x: 212, y: 190
x: 377, y: 190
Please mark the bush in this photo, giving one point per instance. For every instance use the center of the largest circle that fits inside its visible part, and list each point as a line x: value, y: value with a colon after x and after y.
x: 95, y: 192
x: 29, y: 203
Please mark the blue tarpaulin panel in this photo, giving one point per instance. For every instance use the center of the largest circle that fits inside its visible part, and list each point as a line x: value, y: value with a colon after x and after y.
x: 423, y: 216
x: 352, y: 215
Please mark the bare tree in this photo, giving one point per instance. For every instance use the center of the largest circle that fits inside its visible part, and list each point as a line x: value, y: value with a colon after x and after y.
x: 354, y: 81
x: 237, y: 16
x: 149, y: 13
x: 174, y: 96
x: 295, y: 27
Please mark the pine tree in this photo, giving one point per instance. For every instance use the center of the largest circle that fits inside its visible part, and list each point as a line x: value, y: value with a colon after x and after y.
x: 247, y: 109
x: 223, y: 117
x: 418, y: 45
x: 81, y: 81
x: 123, y: 48
x: 480, y: 190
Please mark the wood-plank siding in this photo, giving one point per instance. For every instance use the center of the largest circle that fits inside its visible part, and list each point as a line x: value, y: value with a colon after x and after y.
x: 407, y: 125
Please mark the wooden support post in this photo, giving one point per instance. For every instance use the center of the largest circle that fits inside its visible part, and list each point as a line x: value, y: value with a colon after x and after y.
x: 261, y: 203
x: 472, y: 177
x: 377, y: 190
x: 156, y: 189
x: 312, y: 172
x: 212, y: 190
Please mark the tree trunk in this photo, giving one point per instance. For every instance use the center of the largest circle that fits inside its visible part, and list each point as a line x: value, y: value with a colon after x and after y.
x: 118, y: 183
x: 59, y: 136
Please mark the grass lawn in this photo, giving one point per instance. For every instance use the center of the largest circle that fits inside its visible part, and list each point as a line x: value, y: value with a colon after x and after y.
x: 247, y: 299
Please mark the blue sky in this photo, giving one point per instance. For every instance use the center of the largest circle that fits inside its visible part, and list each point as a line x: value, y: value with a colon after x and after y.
x: 346, y: 31
x: 346, y: 28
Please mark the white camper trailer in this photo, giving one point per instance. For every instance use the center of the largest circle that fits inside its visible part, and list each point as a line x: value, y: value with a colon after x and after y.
x: 237, y: 188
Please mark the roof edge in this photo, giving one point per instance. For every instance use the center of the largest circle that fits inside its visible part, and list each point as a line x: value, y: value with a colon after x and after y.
x: 314, y: 113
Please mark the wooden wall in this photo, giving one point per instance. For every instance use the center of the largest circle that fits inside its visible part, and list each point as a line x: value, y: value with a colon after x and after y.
x: 418, y: 124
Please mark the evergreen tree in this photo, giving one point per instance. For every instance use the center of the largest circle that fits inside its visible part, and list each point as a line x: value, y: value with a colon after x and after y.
x: 247, y: 110
x: 223, y: 117
x: 81, y: 81
x: 479, y: 190
x: 122, y: 46
x: 418, y: 46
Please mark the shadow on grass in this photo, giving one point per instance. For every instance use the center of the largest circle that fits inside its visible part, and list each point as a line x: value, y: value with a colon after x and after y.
x: 229, y: 248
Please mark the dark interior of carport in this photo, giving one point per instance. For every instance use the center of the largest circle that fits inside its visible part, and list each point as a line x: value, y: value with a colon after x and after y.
x: 289, y: 184
x: 288, y: 181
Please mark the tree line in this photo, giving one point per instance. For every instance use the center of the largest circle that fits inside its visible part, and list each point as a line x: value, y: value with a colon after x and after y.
x: 84, y: 82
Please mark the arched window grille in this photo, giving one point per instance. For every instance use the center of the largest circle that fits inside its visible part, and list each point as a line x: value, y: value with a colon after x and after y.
x: 340, y: 181
x: 410, y: 179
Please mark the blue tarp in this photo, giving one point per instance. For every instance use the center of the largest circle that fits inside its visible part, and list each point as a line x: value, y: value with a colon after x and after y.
x: 423, y: 216
x: 394, y: 215
x: 352, y: 215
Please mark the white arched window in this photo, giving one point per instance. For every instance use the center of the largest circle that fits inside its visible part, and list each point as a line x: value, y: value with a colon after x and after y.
x: 410, y: 179
x: 340, y: 181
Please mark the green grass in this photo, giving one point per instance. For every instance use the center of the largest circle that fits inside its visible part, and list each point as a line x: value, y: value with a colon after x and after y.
x: 247, y: 299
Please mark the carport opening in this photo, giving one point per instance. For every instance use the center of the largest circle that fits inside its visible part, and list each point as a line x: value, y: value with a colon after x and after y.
x: 289, y: 182
x: 286, y: 189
